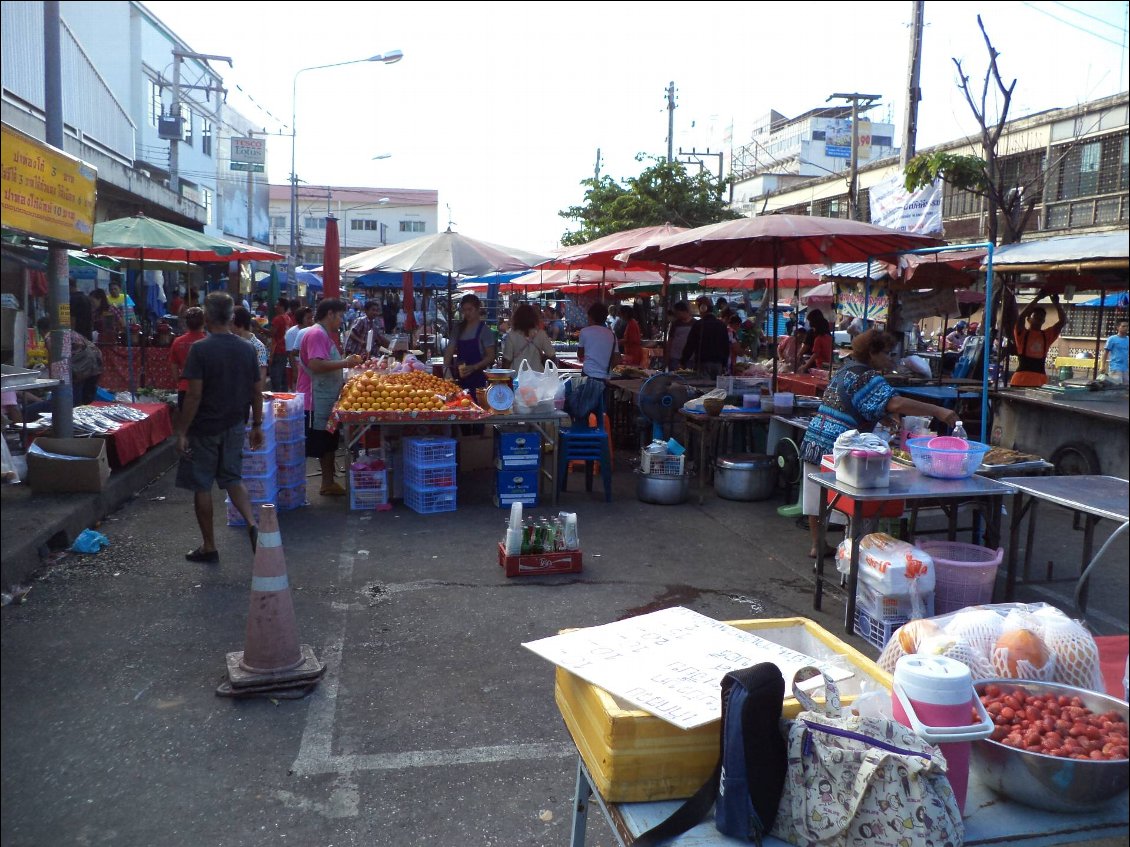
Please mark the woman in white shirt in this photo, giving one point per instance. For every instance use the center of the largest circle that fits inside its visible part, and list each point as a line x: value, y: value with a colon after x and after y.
x: 596, y: 345
x: 526, y: 342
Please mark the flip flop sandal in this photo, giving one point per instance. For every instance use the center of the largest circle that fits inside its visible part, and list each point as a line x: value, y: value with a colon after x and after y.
x: 198, y: 555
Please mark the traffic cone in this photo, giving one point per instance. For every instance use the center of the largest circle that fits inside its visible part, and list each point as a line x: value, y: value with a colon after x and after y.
x: 272, y: 659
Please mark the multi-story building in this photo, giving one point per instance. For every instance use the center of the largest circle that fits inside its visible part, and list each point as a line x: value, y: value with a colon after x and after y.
x: 1076, y: 160
x: 785, y: 152
x: 120, y: 82
x: 367, y: 218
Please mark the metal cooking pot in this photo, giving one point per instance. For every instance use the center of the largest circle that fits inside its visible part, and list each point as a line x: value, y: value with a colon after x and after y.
x: 662, y: 490
x: 746, y: 476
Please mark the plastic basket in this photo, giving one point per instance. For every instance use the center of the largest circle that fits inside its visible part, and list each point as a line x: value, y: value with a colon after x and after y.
x: 290, y: 429
x: 268, y: 430
x: 236, y: 519
x: 946, y: 464
x: 262, y: 487
x: 429, y: 452
x: 291, y: 475
x: 964, y: 574
x: 874, y: 630
x: 429, y: 502
x: 259, y: 462
x: 665, y: 465
x: 426, y: 478
x: 291, y: 452
x: 291, y: 497
x: 289, y: 406
x: 890, y: 607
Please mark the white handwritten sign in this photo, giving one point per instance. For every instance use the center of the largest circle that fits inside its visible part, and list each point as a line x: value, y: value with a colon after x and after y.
x: 670, y: 663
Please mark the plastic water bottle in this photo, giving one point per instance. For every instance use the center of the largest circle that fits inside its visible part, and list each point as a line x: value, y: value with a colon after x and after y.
x: 881, y: 431
x: 959, y: 431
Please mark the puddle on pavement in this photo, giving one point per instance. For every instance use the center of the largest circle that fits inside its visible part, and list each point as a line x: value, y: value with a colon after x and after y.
x: 673, y: 595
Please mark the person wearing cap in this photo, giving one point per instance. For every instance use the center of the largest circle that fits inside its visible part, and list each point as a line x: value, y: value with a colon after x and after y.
x: 956, y: 339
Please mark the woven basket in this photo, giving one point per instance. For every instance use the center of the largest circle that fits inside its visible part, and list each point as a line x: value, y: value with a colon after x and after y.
x: 713, y: 405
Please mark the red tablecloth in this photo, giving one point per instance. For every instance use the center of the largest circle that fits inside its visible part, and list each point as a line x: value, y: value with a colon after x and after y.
x: 156, y: 373
x: 802, y: 385
x: 134, y: 439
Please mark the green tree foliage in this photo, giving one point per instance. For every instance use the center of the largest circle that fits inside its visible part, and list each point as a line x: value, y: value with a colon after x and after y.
x: 663, y: 193
x: 965, y: 172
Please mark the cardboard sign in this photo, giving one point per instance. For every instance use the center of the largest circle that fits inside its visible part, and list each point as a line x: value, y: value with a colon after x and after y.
x: 670, y: 663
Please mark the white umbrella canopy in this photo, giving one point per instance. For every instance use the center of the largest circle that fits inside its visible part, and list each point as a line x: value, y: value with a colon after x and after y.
x: 445, y: 252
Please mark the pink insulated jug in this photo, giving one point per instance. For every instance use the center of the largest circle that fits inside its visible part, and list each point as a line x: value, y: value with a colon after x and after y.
x: 934, y: 696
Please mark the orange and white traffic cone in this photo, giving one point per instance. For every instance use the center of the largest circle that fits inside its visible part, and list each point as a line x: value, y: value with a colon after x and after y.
x: 272, y: 659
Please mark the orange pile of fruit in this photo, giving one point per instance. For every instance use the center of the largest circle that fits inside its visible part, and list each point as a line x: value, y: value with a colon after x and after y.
x: 404, y: 392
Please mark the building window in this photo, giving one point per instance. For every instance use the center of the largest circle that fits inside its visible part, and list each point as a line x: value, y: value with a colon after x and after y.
x: 155, y: 110
x: 959, y: 203
x: 411, y: 226
x: 206, y: 202
x: 278, y: 221
x: 880, y: 141
x: 186, y: 117
x: 314, y: 223
x: 364, y: 225
x: 205, y: 136
x: 817, y: 135
x: 1097, y: 167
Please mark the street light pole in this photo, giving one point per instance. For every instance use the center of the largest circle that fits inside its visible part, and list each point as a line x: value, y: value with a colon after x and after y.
x: 389, y: 58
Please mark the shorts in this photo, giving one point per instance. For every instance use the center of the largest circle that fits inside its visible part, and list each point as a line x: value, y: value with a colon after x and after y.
x: 212, y: 459
x: 811, y: 494
x: 319, y: 442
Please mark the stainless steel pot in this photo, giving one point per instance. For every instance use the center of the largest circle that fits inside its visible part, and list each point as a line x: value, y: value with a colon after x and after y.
x: 747, y: 476
x: 663, y: 490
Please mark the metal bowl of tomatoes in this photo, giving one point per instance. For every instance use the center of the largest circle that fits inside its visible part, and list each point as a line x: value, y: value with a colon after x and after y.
x: 1055, y: 747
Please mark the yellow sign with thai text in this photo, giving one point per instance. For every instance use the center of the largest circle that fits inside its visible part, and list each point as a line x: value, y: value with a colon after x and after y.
x: 45, y: 192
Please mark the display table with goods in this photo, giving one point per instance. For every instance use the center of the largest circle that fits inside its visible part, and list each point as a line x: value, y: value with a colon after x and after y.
x: 130, y: 429
x: 1097, y: 497
x: 914, y: 488
x: 706, y: 431
x: 638, y: 762
x: 152, y: 368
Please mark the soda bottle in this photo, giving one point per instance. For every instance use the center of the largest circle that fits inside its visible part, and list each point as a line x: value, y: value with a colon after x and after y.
x: 550, y: 543
x: 959, y: 431
x: 527, y: 539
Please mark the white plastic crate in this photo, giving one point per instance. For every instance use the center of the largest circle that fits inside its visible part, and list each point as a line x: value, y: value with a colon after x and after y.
x: 262, y: 488
x: 259, y: 462
x: 236, y: 519
x: 290, y: 429
x: 291, y: 475
x: 291, y: 452
x: 889, y: 606
x: 289, y: 406
x: 292, y: 497
x: 663, y: 465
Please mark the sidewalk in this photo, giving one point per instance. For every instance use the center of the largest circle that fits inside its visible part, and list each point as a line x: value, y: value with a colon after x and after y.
x: 36, y: 525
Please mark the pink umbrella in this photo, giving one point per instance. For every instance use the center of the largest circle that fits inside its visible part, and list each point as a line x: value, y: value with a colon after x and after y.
x: 751, y: 279
x: 331, y: 261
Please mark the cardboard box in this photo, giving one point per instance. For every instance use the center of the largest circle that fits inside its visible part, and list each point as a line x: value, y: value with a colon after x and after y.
x: 633, y: 756
x: 518, y: 449
x: 508, y: 500
x: 87, y: 473
x: 516, y: 483
x: 565, y: 561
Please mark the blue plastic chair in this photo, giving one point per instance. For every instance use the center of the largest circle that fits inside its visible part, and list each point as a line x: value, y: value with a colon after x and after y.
x: 581, y: 442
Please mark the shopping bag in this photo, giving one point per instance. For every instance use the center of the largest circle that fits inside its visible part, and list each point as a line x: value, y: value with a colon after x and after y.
x: 863, y: 780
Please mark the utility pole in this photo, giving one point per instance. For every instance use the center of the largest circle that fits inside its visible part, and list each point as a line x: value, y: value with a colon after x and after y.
x: 671, y: 121
x: 913, y: 91
x: 697, y: 155
x: 58, y: 292
x: 869, y: 101
x: 174, y: 143
x: 596, y: 171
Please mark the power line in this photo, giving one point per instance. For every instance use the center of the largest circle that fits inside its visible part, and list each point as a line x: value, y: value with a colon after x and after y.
x: 1085, y: 15
x: 1036, y: 8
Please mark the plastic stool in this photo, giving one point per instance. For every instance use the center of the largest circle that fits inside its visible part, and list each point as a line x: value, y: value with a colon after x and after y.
x: 589, y: 445
x: 578, y: 464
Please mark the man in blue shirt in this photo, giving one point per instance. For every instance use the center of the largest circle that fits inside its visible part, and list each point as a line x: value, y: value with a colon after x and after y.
x: 1116, y: 354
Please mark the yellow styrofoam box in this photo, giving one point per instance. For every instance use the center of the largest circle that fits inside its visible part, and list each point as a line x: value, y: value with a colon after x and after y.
x: 633, y: 756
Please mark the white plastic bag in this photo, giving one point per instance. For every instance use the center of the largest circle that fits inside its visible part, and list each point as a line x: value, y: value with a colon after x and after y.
x: 535, y: 390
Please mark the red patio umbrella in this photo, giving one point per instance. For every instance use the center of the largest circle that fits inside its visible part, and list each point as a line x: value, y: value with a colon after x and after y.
x: 752, y: 279
x: 409, y: 302
x: 331, y: 261
x: 776, y: 240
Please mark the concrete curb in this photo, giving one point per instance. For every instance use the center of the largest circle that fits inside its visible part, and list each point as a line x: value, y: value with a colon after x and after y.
x: 36, y: 524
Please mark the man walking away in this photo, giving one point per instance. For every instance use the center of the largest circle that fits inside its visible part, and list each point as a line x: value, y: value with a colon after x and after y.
x: 279, y: 325
x: 223, y: 383
x: 708, y: 343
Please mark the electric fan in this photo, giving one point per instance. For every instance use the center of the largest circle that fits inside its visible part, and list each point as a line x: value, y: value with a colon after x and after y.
x: 790, y: 468
x: 661, y: 397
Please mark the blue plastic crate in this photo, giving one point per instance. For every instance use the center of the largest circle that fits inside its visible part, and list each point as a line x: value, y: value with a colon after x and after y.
x: 874, y: 630
x: 425, y: 478
x: 429, y: 501
x: 429, y: 452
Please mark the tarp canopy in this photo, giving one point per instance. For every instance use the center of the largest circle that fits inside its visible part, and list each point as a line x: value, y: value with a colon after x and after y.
x: 395, y: 279
x: 1114, y: 300
x: 1097, y: 251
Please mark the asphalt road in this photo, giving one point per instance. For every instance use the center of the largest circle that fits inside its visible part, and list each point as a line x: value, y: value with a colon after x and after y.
x: 433, y: 726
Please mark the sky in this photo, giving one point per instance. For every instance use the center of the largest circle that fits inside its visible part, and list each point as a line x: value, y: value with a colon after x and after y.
x: 501, y: 107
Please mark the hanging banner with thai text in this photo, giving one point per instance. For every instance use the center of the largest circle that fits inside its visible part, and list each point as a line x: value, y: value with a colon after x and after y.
x: 46, y: 192
x: 894, y: 207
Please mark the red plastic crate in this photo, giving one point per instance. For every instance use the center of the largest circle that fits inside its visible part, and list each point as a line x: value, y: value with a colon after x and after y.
x: 871, y: 509
x: 565, y: 561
